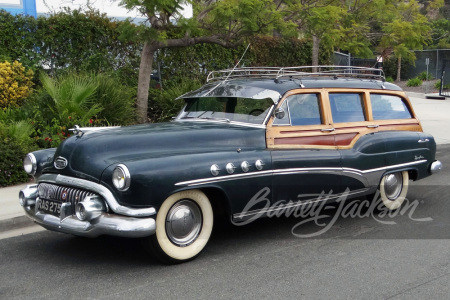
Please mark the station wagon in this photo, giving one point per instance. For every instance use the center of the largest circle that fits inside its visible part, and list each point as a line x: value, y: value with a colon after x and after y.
x: 292, y: 133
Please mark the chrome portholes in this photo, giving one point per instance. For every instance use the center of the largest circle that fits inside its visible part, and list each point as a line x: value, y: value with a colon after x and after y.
x: 259, y: 165
x: 393, y: 184
x: 183, y: 223
x: 230, y: 168
x: 215, y: 170
x: 245, y: 166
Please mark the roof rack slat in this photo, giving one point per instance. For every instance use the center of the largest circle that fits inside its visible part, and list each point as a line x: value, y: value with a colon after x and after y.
x: 297, y: 72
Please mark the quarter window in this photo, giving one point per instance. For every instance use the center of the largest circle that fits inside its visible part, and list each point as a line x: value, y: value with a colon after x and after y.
x: 385, y: 107
x: 347, y: 107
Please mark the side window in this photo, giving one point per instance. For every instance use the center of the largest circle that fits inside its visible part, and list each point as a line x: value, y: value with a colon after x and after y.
x: 302, y: 109
x: 347, y: 107
x: 385, y: 107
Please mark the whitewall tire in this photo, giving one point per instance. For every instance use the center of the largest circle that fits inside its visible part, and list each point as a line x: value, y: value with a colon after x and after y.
x: 393, y: 189
x: 183, y: 227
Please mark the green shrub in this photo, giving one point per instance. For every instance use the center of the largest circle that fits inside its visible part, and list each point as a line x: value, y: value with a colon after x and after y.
x: 389, y: 79
x: 15, y: 143
x: 423, y: 76
x: 11, y: 162
x: 162, y: 102
x: 437, y: 85
x: 414, y: 82
x: 116, y: 99
x: 15, y: 84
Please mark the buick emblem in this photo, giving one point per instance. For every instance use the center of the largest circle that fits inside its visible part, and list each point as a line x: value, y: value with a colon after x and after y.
x: 60, y: 163
x: 64, y: 195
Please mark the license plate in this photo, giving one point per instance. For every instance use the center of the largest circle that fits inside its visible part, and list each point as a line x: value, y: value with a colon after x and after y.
x: 50, y: 207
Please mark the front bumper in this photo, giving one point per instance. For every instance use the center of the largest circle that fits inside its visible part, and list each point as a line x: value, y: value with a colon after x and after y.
x: 104, y: 224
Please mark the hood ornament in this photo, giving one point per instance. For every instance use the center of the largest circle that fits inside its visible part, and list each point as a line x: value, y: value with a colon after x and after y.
x: 77, y: 131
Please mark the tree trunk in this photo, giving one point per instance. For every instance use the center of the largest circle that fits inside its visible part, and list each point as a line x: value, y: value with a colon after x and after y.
x: 399, y: 68
x: 315, y: 52
x: 145, y: 71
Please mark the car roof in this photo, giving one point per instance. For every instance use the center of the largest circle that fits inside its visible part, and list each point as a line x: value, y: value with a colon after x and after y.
x: 260, y: 88
x: 274, y: 82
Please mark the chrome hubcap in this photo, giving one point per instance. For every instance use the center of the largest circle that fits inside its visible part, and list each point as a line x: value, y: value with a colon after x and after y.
x: 183, y: 223
x: 393, y: 185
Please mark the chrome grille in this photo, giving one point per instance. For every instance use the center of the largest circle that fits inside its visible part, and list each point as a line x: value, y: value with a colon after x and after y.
x: 62, y: 193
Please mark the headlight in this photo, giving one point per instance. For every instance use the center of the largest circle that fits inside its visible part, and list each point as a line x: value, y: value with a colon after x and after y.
x: 29, y: 164
x: 121, y: 178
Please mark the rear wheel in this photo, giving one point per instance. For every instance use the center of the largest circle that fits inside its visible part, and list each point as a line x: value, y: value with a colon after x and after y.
x: 183, y: 227
x: 393, y: 189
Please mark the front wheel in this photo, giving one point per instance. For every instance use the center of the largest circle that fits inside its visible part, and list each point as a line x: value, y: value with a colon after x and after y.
x: 183, y: 227
x: 393, y: 189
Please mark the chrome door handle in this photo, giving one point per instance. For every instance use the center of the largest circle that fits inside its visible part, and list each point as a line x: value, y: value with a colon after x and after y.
x: 423, y: 141
x: 327, y: 129
x: 372, y: 126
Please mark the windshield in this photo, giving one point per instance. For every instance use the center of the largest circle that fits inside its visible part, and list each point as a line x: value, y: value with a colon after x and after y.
x: 227, y: 109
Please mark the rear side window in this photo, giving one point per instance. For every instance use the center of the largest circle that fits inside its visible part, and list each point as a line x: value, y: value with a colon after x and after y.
x: 386, y: 107
x: 347, y: 107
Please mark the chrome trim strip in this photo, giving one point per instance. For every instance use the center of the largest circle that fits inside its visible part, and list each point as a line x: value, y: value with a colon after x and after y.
x: 262, y: 126
x: 385, y: 168
x: 101, y: 190
x: 244, y: 216
x: 292, y: 171
x: 223, y: 178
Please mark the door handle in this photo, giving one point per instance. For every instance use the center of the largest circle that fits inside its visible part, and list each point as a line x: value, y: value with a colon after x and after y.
x: 423, y: 141
x: 327, y: 129
x: 372, y: 126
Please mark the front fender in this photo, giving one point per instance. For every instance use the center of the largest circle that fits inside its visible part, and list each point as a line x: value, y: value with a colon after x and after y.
x: 153, y: 180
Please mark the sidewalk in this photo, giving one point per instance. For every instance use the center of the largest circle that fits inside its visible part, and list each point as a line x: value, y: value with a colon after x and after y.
x: 433, y: 114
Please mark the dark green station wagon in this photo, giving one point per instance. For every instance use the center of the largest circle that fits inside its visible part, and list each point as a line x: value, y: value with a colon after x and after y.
x: 285, y: 135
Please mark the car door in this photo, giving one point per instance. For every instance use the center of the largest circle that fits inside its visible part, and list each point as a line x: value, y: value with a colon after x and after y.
x: 306, y: 163
x: 358, y: 140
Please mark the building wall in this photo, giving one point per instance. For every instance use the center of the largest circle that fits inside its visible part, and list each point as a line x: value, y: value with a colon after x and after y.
x: 26, y: 7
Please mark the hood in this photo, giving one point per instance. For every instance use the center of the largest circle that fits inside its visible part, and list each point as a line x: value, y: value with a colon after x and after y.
x: 91, y: 153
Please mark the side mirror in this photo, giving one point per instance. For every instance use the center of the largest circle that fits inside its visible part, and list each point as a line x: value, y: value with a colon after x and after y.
x: 279, y: 113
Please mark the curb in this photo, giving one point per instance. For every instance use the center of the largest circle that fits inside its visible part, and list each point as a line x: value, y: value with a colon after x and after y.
x: 15, y: 223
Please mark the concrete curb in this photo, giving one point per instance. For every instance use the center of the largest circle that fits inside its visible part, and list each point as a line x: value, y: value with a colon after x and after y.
x: 15, y: 223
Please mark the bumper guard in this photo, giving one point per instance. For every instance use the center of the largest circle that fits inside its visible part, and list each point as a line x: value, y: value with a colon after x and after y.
x: 104, y: 224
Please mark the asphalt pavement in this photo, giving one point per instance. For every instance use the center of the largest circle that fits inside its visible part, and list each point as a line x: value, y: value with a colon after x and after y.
x: 434, y: 115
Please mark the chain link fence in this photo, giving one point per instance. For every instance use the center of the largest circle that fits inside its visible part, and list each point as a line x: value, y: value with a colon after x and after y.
x: 435, y: 59
x: 342, y: 59
x: 445, y: 79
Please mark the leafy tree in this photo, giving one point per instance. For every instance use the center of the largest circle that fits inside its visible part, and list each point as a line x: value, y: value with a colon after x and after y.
x: 406, y: 30
x: 440, y: 34
x: 319, y: 20
x: 225, y: 23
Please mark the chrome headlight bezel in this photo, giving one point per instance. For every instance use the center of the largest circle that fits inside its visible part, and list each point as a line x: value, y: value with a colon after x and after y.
x: 121, y: 178
x: 30, y: 164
